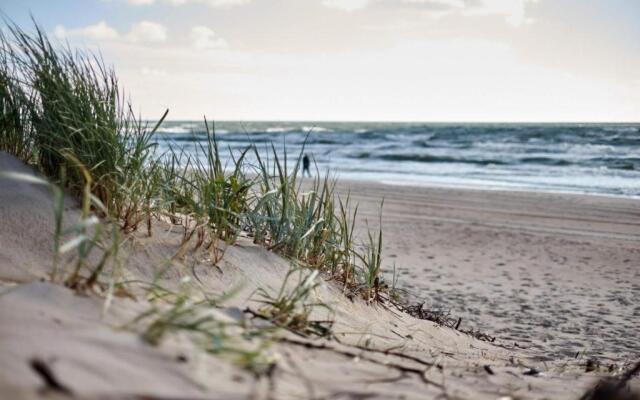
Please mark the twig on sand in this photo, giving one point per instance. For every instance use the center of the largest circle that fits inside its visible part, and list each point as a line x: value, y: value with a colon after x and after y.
x: 388, y: 352
x: 420, y: 372
x: 442, y: 318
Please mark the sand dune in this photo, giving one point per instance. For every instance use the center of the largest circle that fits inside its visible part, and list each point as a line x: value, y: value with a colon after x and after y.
x: 467, y: 251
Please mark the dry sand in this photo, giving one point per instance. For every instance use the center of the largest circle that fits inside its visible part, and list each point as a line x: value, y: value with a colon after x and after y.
x: 543, y: 241
x: 556, y: 273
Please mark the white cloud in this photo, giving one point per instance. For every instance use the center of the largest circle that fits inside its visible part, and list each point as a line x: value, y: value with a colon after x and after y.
x: 153, y: 72
x: 147, y: 32
x: 210, y: 3
x: 353, y: 5
x: 99, y: 31
x: 513, y: 11
x: 225, y: 3
x: 141, y: 2
x: 205, y: 38
x: 346, y: 5
x: 141, y: 32
x: 440, y: 3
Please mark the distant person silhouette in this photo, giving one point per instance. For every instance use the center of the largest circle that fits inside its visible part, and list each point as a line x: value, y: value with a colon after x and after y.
x: 305, y: 166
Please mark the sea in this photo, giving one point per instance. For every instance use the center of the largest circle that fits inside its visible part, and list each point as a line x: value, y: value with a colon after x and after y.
x: 599, y: 159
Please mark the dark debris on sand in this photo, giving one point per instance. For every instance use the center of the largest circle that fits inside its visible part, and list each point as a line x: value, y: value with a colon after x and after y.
x: 443, y: 318
x: 614, y: 388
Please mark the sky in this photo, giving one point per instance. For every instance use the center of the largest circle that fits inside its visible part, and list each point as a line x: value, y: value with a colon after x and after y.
x: 361, y: 60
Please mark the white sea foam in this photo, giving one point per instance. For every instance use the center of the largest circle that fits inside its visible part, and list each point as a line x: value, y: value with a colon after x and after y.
x: 315, y: 128
x: 278, y: 129
x: 174, y: 129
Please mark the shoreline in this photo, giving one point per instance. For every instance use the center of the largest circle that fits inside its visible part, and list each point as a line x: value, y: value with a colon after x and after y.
x: 480, y: 187
x: 498, y: 188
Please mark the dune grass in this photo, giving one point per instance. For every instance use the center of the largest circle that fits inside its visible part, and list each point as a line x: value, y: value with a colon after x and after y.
x: 64, y: 111
x: 290, y: 308
x: 16, y: 129
x: 77, y: 108
x: 87, y: 236
x: 205, y: 322
x: 208, y: 199
x: 314, y: 227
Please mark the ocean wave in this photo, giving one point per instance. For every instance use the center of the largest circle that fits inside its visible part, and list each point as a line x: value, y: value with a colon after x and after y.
x: 372, y: 135
x: 316, y: 129
x: 621, y: 129
x: 174, y: 129
x: 622, y: 163
x: 279, y: 129
x: 325, y: 141
x: 556, y: 162
x: 423, y: 143
x: 426, y: 158
x: 182, y: 138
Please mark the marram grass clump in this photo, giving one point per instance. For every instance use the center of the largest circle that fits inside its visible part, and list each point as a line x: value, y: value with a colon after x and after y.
x: 16, y: 128
x: 77, y: 118
x: 203, y: 196
x: 63, y: 110
x: 314, y: 226
x: 291, y: 307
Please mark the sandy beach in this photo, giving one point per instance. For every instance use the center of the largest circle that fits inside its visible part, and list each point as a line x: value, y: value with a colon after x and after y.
x: 319, y: 200
x: 548, y: 276
x: 554, y: 273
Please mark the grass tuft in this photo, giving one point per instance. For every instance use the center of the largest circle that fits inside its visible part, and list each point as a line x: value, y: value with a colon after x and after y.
x: 203, y: 320
x: 291, y: 309
x: 16, y: 128
x: 64, y: 111
x: 77, y: 116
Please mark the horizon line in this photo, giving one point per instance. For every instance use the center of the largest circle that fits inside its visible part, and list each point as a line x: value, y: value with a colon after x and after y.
x: 397, y: 121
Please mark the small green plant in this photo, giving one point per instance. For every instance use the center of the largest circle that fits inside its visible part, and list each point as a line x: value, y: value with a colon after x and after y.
x: 207, y: 199
x: 220, y: 197
x: 291, y: 309
x: 371, y: 266
x: 343, y: 260
x: 303, y: 225
x: 314, y: 227
x: 87, y: 235
x: 395, y: 293
x: 173, y: 312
